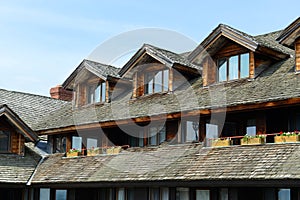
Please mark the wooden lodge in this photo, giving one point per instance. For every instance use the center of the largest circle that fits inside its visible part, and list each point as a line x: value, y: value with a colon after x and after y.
x: 220, y: 122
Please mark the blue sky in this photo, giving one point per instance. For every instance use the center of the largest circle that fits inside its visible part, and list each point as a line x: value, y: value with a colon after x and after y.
x: 42, y: 42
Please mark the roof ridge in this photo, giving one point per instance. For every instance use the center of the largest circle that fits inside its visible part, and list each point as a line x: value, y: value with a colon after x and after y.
x: 106, y: 65
x: 268, y: 33
x: 30, y: 94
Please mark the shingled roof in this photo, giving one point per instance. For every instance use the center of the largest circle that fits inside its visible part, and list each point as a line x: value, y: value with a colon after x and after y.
x: 29, y: 107
x: 189, y: 162
x: 99, y: 69
x: 16, y: 169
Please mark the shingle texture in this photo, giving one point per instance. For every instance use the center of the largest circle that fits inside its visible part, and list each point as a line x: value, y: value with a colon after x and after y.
x: 30, y: 108
x: 17, y: 169
x: 177, y: 162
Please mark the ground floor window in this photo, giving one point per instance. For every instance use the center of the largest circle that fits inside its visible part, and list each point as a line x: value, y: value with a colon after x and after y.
x: 182, y: 194
x: 284, y: 194
x: 61, y: 195
x: 45, y: 194
x: 202, y: 195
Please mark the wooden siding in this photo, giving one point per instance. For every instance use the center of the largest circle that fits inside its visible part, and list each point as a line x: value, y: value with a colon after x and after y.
x: 297, y: 54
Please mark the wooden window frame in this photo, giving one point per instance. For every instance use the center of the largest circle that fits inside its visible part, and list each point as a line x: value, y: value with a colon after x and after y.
x: 164, y: 88
x: 9, y: 150
x: 93, y: 87
x: 227, y: 58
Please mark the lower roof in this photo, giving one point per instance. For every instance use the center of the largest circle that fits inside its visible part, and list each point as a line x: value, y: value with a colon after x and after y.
x: 173, y: 163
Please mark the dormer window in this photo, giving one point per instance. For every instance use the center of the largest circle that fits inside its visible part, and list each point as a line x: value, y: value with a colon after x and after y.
x: 234, y: 67
x: 4, y: 141
x: 96, y: 94
x: 157, y: 81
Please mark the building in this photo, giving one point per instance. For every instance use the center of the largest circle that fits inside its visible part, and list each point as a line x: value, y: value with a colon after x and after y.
x: 214, y: 123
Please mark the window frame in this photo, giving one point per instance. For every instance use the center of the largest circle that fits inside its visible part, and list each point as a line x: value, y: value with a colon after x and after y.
x: 92, y: 91
x: 8, y: 140
x: 151, y: 76
x: 239, y: 63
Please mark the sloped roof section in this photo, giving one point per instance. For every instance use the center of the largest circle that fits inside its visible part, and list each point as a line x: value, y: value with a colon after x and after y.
x: 17, y: 122
x: 101, y: 70
x: 250, y: 42
x: 15, y: 169
x: 30, y: 108
x: 290, y: 33
x: 164, y: 56
x: 190, y: 162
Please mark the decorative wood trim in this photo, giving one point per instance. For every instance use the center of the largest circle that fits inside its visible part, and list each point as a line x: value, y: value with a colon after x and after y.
x: 297, y: 55
x: 171, y: 77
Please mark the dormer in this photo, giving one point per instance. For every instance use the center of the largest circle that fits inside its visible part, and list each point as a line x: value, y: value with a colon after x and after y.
x: 13, y: 132
x: 155, y: 70
x: 228, y: 55
x: 290, y: 37
x: 91, y: 83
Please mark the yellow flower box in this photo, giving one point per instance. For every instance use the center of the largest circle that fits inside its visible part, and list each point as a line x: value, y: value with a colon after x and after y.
x: 252, y: 141
x: 93, y: 152
x: 72, y: 154
x: 221, y: 143
x: 283, y: 139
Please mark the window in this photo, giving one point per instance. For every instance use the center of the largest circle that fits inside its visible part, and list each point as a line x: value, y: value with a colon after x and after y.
x: 59, y: 145
x: 284, y: 194
x: 156, y: 82
x: 97, y: 94
x: 211, y: 133
x: 4, y: 141
x: 191, y: 131
x: 91, y: 143
x: 121, y: 194
x: 154, y: 194
x: 45, y: 194
x: 61, y: 195
x: 202, y: 195
x: 157, y: 135
x: 77, y: 143
x: 234, y: 67
x: 251, y: 127
x: 164, y: 193
x: 223, y: 193
x: 182, y: 193
x: 137, y: 193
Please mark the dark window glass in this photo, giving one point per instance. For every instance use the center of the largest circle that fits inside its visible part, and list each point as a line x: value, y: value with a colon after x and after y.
x: 4, y: 141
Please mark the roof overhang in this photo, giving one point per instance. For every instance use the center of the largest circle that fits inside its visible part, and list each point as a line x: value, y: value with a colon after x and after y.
x: 290, y: 34
x: 227, y: 32
x: 17, y: 122
x: 143, y: 51
x: 80, y: 72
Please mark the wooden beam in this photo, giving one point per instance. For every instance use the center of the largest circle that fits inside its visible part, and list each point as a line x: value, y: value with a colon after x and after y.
x: 297, y: 55
x: 251, y: 65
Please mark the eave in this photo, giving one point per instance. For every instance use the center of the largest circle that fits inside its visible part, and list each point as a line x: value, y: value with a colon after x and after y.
x: 290, y: 34
x: 15, y: 120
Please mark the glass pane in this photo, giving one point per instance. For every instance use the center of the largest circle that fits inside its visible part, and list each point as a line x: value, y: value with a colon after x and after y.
x: 164, y: 193
x: 223, y: 194
x: 153, y: 136
x: 245, y: 65
x: 77, y: 143
x: 103, y: 91
x: 91, y: 94
x: 91, y: 143
x: 45, y: 194
x: 211, y: 133
x: 251, y: 127
x: 154, y: 194
x: 191, y: 131
x: 150, y: 87
x: 166, y: 80
x: 137, y: 194
x: 61, y: 195
x: 202, y: 195
x: 141, y: 138
x: 284, y: 194
x: 4, y: 140
x: 222, y: 70
x: 182, y: 193
x: 162, y: 135
x: 233, y: 67
x: 97, y: 93
x: 121, y: 194
x: 158, y: 82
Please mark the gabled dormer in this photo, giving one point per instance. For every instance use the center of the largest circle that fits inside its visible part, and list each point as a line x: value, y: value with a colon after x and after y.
x: 155, y: 70
x: 13, y: 132
x: 290, y: 37
x: 91, y: 83
x: 228, y: 55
